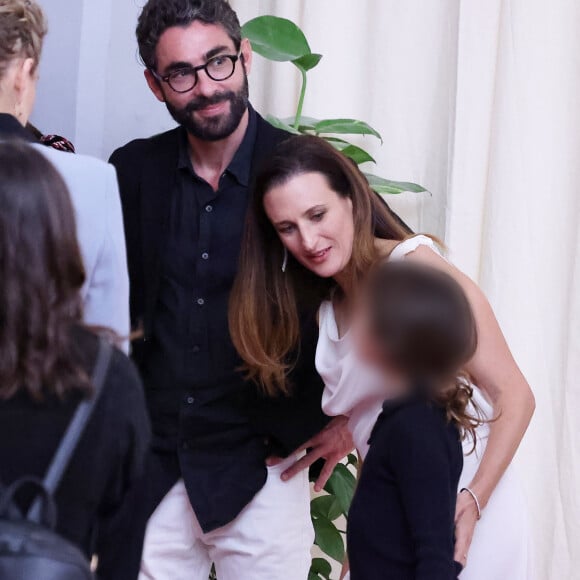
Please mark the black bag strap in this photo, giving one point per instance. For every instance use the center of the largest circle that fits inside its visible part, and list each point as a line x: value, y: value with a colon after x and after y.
x: 76, y: 427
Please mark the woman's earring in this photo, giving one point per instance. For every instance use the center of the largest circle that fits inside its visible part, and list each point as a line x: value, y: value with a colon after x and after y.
x: 285, y: 260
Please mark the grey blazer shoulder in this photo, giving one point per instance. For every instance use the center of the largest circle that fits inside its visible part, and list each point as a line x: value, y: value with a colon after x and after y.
x: 95, y: 195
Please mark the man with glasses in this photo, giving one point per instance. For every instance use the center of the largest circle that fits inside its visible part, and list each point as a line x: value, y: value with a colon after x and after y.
x: 184, y: 195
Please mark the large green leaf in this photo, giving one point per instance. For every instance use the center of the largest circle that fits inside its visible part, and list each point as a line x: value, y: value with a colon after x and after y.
x: 276, y: 38
x: 357, y: 154
x: 328, y: 539
x: 320, y: 568
x: 308, y: 61
x: 341, y: 484
x: 325, y: 506
x: 346, y: 126
x: 306, y: 124
x: 387, y: 186
x: 282, y: 124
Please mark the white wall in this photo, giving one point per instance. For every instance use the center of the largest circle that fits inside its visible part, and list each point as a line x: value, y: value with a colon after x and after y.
x: 92, y: 89
x: 55, y: 110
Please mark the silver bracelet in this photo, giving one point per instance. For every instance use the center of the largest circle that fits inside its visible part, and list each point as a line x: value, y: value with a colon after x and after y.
x: 472, y: 494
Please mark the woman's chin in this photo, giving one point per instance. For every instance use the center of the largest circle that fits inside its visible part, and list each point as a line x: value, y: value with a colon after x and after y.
x: 324, y: 270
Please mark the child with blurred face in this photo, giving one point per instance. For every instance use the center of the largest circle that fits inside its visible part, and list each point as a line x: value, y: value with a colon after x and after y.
x: 416, y: 324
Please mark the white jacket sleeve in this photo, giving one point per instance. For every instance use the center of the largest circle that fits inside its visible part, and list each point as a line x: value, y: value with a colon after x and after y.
x: 106, y: 294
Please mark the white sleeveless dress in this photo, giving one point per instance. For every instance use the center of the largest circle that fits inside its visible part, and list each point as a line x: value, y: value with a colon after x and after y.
x: 500, y: 547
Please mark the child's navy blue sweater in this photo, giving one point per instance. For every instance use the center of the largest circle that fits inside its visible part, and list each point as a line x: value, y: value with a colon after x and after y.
x: 401, y: 522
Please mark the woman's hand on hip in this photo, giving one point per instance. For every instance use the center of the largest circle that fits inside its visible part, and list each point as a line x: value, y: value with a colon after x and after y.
x: 465, y: 521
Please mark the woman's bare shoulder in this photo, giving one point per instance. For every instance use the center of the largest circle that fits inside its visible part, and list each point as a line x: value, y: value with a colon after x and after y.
x: 385, y: 247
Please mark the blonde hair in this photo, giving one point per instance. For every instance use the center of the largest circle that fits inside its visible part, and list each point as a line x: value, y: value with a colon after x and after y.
x: 22, y: 30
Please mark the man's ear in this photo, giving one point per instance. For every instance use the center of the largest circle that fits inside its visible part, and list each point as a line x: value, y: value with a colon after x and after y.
x: 154, y: 85
x: 246, y: 54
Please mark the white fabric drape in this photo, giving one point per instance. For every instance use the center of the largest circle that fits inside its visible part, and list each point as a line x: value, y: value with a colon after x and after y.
x: 477, y: 101
x: 512, y: 223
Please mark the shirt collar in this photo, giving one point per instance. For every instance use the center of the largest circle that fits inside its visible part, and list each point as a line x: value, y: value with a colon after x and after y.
x: 11, y: 128
x: 240, y: 165
x: 418, y: 394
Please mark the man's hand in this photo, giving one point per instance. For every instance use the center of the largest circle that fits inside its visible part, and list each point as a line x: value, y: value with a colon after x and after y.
x: 333, y: 443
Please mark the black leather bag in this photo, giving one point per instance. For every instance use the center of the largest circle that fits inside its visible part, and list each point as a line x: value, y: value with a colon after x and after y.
x: 30, y: 549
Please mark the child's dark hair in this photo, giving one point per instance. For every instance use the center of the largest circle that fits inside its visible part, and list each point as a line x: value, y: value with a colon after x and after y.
x: 424, y: 327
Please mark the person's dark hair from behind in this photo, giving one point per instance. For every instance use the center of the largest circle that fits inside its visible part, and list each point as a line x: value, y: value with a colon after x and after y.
x: 423, y: 327
x: 41, y: 273
x: 159, y: 15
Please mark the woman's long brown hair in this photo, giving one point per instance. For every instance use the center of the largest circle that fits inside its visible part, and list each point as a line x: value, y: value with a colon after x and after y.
x: 266, y: 303
x: 41, y: 274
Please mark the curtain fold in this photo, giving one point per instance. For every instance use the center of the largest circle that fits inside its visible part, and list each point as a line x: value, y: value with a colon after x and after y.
x: 479, y: 102
x: 512, y: 223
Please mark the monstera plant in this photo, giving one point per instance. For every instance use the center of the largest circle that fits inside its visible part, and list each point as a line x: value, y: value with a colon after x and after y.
x: 279, y: 39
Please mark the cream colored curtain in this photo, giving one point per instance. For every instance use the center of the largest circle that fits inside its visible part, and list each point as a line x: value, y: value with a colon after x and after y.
x: 512, y: 222
x: 479, y: 102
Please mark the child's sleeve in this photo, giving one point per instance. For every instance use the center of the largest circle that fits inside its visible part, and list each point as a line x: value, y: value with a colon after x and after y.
x: 421, y: 457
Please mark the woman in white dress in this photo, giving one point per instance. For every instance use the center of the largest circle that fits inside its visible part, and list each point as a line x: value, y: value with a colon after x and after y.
x: 313, y: 232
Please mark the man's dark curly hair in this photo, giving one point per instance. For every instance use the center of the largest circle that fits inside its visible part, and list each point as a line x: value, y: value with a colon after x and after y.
x: 159, y: 15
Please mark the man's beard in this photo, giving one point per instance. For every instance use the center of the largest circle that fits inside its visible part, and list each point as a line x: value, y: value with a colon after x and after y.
x: 213, y: 128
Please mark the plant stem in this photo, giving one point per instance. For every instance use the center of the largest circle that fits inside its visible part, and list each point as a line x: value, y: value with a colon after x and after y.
x: 300, y: 100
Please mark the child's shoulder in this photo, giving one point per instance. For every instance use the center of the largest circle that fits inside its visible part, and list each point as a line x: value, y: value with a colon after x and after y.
x: 412, y: 420
x: 399, y: 412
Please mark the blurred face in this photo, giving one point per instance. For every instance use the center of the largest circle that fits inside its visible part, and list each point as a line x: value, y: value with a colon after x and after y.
x: 369, y: 349
x: 313, y: 221
x: 212, y: 110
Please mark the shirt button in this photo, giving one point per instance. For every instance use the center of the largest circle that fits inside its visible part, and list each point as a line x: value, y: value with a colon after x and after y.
x: 201, y: 301
x: 190, y: 400
x: 185, y: 445
x: 208, y: 208
x: 195, y: 348
x: 205, y: 256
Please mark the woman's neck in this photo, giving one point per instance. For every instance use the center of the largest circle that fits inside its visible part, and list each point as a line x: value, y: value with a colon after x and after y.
x: 345, y: 281
x: 346, y: 277
x: 385, y: 247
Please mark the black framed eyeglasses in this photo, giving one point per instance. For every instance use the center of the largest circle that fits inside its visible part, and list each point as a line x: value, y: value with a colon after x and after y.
x: 218, y: 68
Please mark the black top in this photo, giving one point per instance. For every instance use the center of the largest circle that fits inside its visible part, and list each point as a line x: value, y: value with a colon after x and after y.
x: 183, y: 244
x: 401, y: 522
x: 10, y: 128
x: 108, y: 459
x: 192, y: 356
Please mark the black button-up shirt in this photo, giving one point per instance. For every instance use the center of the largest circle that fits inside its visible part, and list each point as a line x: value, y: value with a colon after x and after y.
x: 183, y: 241
x: 196, y: 394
